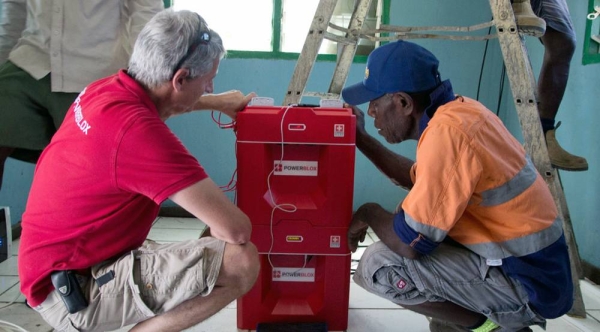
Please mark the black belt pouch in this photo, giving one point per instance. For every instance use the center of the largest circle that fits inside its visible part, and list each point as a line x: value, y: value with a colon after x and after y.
x: 66, y: 284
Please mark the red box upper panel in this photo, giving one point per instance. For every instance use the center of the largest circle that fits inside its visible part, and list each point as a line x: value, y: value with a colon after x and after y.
x: 302, y: 160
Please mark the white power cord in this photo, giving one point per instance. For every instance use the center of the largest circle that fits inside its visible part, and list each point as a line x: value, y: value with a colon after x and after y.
x: 11, y: 302
x: 10, y: 327
x: 285, y: 207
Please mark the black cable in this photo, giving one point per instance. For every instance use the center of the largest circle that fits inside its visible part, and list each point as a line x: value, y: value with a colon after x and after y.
x: 501, y: 90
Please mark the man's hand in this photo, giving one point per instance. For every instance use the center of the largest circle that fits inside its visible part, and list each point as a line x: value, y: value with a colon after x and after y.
x: 228, y: 103
x: 356, y: 233
x: 360, y: 120
x: 358, y: 229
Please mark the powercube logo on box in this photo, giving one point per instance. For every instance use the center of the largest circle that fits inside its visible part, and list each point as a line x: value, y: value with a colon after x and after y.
x: 293, y: 274
x: 295, y: 167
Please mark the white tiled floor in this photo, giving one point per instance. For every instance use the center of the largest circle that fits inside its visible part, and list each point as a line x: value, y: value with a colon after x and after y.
x: 367, y: 311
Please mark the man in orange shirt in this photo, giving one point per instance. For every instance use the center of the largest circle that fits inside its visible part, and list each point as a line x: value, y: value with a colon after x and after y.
x: 478, y: 242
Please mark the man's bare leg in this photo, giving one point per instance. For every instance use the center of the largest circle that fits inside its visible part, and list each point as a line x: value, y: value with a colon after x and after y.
x: 205, y: 232
x: 238, y: 273
x: 4, y: 153
x: 554, y: 73
x: 552, y: 83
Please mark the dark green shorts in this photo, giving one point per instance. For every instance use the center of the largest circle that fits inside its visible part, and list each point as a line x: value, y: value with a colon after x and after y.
x: 29, y: 112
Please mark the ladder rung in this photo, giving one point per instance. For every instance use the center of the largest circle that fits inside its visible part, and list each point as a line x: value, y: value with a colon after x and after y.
x: 340, y: 39
x: 392, y: 28
x: 410, y: 35
x: 322, y: 95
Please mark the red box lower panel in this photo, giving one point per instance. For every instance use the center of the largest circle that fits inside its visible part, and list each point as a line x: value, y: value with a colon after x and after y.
x: 298, y: 289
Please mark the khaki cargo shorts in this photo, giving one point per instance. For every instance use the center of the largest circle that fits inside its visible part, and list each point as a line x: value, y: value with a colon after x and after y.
x: 147, y: 282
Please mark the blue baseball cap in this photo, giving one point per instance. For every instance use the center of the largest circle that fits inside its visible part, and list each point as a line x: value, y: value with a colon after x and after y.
x: 398, y: 66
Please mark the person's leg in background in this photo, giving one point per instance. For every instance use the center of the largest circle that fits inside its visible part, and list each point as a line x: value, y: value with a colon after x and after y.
x: 30, y: 114
x: 550, y: 20
x: 559, y: 47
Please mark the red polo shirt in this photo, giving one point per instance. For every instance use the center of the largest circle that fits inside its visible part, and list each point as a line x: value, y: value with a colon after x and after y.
x: 98, y: 185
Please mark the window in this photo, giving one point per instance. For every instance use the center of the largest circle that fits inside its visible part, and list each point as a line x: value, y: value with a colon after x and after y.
x: 278, y: 28
x: 243, y: 25
x: 591, y: 44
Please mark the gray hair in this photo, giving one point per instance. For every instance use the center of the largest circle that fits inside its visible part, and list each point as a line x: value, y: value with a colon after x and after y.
x: 166, y: 40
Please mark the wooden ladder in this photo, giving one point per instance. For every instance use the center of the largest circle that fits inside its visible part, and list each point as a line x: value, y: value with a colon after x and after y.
x: 520, y: 74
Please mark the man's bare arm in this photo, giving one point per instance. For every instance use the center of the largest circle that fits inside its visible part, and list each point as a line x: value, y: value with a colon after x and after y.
x: 208, y: 203
x: 382, y: 223
x: 228, y: 103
